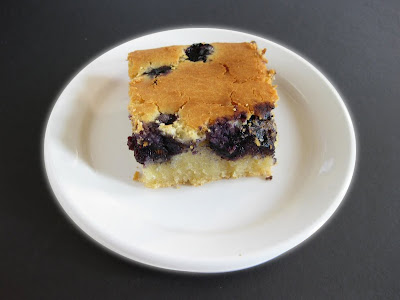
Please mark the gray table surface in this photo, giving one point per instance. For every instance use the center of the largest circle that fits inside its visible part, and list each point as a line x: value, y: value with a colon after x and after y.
x: 355, y: 43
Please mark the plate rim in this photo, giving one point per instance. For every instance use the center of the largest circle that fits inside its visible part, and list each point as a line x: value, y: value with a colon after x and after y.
x: 292, y: 244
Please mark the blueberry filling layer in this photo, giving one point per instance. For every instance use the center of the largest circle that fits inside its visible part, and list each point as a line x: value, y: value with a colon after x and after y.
x: 229, y: 139
x: 234, y: 139
x: 197, y: 52
x: 150, y: 145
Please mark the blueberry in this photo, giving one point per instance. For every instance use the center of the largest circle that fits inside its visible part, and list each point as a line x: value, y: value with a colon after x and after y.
x: 263, y: 110
x: 167, y: 119
x: 158, y: 71
x: 150, y: 145
x: 230, y: 140
x: 197, y: 52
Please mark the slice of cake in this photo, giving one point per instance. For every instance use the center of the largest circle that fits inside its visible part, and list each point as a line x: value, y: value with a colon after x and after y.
x: 201, y: 113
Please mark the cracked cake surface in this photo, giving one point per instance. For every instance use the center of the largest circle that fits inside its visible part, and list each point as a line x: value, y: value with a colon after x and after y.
x: 211, y: 100
x: 231, y: 81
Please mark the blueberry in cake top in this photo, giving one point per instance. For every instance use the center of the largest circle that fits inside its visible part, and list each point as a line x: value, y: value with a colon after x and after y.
x: 199, y: 51
x: 201, y: 112
x: 158, y: 71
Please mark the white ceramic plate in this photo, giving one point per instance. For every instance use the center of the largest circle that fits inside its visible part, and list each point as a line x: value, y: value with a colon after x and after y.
x: 221, y: 226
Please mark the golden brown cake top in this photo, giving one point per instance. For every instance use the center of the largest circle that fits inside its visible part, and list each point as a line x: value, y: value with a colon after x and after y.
x: 230, y: 80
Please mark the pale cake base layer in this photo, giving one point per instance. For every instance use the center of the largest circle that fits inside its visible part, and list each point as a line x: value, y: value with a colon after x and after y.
x: 200, y: 168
